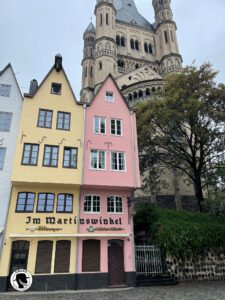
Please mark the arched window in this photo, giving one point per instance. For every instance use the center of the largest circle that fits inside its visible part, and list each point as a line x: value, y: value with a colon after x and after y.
x: 146, y: 47
x: 153, y: 89
x: 100, y: 65
x: 150, y: 48
x: 166, y: 37
x: 136, y: 45
x: 101, y: 19
x: 132, y: 44
x: 107, y: 19
x: 120, y: 63
x: 85, y: 72
x: 136, y: 66
x: 130, y: 97
x: 118, y: 40
x: 135, y: 95
x: 122, y: 41
x: 140, y: 94
x: 147, y: 92
x: 91, y: 71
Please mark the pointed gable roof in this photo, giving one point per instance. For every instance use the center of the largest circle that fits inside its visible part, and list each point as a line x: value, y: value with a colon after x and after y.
x: 9, y: 66
x: 144, y: 73
x: 116, y: 86
x: 127, y: 12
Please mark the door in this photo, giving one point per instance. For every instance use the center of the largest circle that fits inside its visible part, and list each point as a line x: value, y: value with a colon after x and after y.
x: 116, y: 263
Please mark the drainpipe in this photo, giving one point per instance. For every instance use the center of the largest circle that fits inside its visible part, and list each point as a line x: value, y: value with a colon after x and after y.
x: 133, y: 150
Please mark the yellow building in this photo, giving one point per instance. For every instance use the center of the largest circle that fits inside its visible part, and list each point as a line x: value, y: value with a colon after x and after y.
x: 43, y: 215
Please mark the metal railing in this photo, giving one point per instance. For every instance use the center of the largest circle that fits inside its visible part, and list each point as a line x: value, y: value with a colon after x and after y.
x: 148, y: 260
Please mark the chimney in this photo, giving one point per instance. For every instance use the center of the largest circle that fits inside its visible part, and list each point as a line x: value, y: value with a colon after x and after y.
x: 58, y: 62
x: 33, y: 87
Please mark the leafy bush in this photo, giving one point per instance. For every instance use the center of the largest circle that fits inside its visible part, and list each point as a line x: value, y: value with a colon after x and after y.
x: 181, y: 234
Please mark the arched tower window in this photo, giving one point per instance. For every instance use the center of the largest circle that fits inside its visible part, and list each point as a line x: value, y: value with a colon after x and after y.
x: 101, y: 19
x: 136, y: 45
x: 107, y: 19
x: 166, y: 36
x: 100, y: 65
x: 140, y: 94
x: 135, y: 95
x: 136, y: 66
x: 132, y: 44
x: 118, y: 40
x: 130, y: 97
x: 147, y: 92
x: 146, y: 47
x: 122, y: 41
x: 150, y: 48
x: 91, y: 72
x: 85, y: 72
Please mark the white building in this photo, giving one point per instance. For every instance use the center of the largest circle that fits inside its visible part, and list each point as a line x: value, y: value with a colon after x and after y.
x: 10, y: 107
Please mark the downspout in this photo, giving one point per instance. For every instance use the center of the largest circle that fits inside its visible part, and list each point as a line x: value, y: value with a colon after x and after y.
x: 82, y: 182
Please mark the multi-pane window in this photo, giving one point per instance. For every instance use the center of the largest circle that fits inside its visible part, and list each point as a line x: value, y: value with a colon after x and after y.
x: 2, y: 157
x: 99, y: 125
x: 65, y: 203
x: 30, y: 154
x: 45, y: 202
x: 97, y: 160
x: 63, y: 121
x: 5, y: 121
x: 45, y: 118
x: 116, y: 127
x: 114, y: 204
x: 25, y: 202
x: 56, y: 88
x: 5, y: 90
x: 92, y: 204
x: 51, y: 156
x: 118, y: 162
x: 109, y: 96
x: 70, y: 158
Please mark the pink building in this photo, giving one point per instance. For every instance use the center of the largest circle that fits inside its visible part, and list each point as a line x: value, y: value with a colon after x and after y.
x: 111, y: 174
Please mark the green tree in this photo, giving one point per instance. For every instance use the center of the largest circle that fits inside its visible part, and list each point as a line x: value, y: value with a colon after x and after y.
x: 184, y: 128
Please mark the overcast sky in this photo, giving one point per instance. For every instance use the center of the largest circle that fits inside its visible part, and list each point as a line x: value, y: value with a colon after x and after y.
x: 33, y: 31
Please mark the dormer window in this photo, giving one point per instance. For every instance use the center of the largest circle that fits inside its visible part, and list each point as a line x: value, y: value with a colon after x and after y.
x: 56, y: 88
x: 109, y: 97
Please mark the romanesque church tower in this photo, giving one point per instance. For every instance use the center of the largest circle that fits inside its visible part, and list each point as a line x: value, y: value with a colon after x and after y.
x: 136, y: 52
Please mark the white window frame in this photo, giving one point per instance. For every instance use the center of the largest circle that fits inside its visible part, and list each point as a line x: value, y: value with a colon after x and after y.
x: 125, y: 164
x: 99, y: 125
x: 6, y: 115
x: 121, y: 126
x: 98, y: 151
x: 4, y: 156
x: 92, y: 205
x: 113, y: 97
x: 114, y: 198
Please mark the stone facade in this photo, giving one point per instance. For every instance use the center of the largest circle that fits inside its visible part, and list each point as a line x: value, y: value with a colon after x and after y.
x: 209, y: 266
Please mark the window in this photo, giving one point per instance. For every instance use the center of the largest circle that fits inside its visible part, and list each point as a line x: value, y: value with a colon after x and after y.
x: 109, y: 96
x: 118, y: 161
x: 56, y: 88
x: 62, y: 257
x: 101, y: 19
x: 65, y: 203
x: 107, y: 19
x: 91, y: 71
x: 150, y: 48
x: 132, y: 44
x: 97, y: 160
x: 45, y: 118
x: 5, y: 121
x: 25, y: 202
x: 114, y: 204
x: 2, y: 157
x: 51, y: 156
x: 118, y: 40
x: 171, y: 33
x: 100, y: 65
x: 99, y: 125
x: 136, y: 45
x: 70, y: 158
x: 5, y: 90
x: 44, y: 257
x: 30, y: 154
x: 166, y: 37
x: 92, y: 204
x: 91, y: 256
x: 45, y: 202
x: 63, y: 121
x: 116, y: 127
x: 122, y: 41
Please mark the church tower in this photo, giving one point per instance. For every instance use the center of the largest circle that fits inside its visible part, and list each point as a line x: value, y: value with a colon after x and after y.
x: 166, y: 38
x: 105, y: 44
x: 88, y: 64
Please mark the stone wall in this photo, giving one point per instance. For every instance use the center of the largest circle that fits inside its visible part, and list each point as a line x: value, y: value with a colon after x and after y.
x: 209, y: 266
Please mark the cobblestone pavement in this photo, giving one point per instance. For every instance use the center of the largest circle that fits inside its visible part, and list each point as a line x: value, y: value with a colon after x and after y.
x: 190, y: 291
